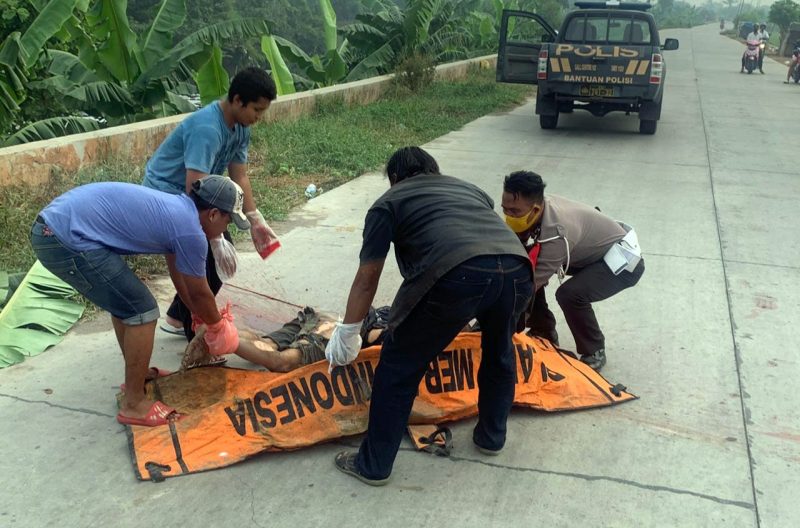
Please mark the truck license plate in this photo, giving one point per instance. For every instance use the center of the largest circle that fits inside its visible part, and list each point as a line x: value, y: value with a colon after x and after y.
x: 594, y: 90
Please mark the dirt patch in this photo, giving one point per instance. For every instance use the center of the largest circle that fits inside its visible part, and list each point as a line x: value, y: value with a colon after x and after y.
x: 191, y: 391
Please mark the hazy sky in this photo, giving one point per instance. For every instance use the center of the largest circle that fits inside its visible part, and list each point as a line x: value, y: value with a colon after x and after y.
x: 756, y: 3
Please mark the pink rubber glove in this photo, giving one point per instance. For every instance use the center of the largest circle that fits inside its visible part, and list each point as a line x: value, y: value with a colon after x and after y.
x: 222, y: 337
x: 264, y: 238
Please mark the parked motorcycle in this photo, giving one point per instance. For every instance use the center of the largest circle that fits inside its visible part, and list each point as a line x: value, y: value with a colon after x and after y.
x: 750, y: 59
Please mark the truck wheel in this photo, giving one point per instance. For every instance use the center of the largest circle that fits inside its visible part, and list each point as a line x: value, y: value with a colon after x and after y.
x: 548, y: 121
x: 647, y: 126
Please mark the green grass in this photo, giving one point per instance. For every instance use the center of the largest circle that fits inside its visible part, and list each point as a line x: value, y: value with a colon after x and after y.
x: 337, y: 144
x: 328, y: 148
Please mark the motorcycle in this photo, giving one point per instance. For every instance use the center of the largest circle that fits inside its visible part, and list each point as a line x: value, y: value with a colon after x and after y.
x: 795, y: 74
x: 750, y: 59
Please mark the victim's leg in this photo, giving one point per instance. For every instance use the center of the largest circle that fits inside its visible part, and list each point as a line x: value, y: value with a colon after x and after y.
x: 258, y: 350
x: 264, y: 352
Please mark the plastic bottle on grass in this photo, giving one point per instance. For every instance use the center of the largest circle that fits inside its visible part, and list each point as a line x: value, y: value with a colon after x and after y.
x: 312, y: 190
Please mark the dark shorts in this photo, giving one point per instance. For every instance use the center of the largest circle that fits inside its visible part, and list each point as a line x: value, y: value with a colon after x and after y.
x: 100, y: 275
x: 300, y: 332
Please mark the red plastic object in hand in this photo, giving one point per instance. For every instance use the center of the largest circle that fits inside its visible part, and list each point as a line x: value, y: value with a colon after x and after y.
x: 270, y: 249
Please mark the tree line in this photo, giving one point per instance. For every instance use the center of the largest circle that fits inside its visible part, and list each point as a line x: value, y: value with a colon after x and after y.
x: 70, y: 66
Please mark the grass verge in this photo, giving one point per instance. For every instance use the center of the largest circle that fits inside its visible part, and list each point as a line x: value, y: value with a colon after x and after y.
x: 330, y: 147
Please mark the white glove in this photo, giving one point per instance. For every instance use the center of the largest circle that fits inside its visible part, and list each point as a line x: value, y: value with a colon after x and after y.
x: 225, y: 258
x: 264, y: 238
x: 344, y: 344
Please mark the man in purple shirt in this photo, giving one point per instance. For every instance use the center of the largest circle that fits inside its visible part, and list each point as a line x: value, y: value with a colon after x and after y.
x: 81, y: 237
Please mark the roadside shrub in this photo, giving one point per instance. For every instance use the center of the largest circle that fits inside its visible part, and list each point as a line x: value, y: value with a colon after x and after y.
x: 416, y: 72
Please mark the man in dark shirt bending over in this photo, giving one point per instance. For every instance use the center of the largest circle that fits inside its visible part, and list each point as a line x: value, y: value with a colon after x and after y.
x: 459, y: 261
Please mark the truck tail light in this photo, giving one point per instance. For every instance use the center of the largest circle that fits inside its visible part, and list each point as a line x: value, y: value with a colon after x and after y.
x: 541, y: 73
x: 656, y: 69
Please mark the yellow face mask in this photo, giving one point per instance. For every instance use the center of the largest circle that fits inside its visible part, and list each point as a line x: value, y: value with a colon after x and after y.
x: 520, y: 224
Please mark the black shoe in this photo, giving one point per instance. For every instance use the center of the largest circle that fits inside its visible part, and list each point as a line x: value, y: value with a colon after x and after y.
x: 487, y: 451
x: 596, y: 360
x: 346, y: 463
x: 551, y: 336
x: 762, y: 71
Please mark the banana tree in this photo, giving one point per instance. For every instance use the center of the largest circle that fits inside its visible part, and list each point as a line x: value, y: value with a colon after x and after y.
x: 484, y: 28
x: 123, y: 78
x: 316, y: 71
x: 20, y: 51
x: 381, y: 40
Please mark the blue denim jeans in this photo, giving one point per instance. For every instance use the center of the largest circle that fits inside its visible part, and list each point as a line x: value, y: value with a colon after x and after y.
x: 495, y: 289
x: 100, y: 275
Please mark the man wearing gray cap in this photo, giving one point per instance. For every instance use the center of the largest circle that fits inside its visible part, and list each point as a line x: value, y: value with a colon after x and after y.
x: 81, y: 237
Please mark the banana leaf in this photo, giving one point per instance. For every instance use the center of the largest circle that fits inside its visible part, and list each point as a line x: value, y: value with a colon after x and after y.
x: 51, y: 128
x: 419, y: 15
x: 108, y: 21
x: 9, y: 282
x: 158, y: 38
x: 373, y: 64
x: 36, y: 317
x: 12, y: 76
x: 329, y: 19
x: 280, y: 72
x: 196, y: 47
x: 44, y: 26
x: 212, y: 80
x: 180, y: 104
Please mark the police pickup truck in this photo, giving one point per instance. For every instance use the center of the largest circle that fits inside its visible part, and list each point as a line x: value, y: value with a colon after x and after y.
x: 605, y: 58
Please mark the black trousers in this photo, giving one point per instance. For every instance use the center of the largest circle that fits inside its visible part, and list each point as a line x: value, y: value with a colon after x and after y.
x: 495, y: 290
x: 586, y: 286
x: 178, y: 310
x: 540, y: 319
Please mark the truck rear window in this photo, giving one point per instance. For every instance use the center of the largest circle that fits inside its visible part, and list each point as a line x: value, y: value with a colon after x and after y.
x: 607, y: 28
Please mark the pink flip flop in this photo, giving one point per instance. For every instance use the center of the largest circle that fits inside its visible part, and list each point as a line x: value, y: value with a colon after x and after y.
x: 159, y: 414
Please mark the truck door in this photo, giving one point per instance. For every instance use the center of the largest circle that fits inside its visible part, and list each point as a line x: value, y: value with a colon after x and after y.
x: 521, y: 38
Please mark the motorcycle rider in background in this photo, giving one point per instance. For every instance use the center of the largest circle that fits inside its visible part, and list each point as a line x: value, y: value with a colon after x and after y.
x: 763, y: 38
x: 795, y: 62
x: 756, y: 36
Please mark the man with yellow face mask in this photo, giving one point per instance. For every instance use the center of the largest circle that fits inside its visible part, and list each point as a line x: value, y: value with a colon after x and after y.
x: 564, y: 237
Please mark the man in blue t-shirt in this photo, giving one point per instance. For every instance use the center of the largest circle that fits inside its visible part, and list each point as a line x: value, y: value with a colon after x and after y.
x: 209, y: 141
x: 81, y: 237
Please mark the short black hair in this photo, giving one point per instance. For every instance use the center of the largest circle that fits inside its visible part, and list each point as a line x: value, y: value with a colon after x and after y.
x: 408, y: 162
x: 526, y: 184
x: 251, y: 84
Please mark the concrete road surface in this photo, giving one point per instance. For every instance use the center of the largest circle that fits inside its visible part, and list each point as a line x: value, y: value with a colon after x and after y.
x: 708, y: 340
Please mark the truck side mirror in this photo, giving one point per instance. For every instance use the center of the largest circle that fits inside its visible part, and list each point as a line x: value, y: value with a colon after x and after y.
x: 547, y: 37
x: 670, y: 44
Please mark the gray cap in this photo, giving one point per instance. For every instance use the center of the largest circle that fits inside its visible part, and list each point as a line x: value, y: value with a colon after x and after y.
x: 224, y: 194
